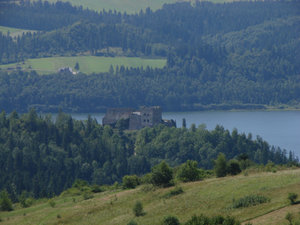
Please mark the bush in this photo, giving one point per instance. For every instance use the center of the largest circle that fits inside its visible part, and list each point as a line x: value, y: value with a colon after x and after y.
x: 175, y: 191
x: 5, y: 201
x: 24, y: 201
x: 87, y: 195
x: 96, y: 188
x: 132, y: 222
x: 220, y: 166
x: 216, y: 220
x: 130, y: 181
x: 52, y: 203
x: 170, y: 220
x: 289, y: 217
x: 250, y: 200
x: 79, y: 183
x: 162, y: 175
x: 292, y: 197
x: 188, y: 171
x: 233, y: 167
x: 138, y: 209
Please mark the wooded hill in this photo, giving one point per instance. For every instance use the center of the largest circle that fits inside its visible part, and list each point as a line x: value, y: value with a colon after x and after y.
x: 44, y: 157
x: 233, y: 55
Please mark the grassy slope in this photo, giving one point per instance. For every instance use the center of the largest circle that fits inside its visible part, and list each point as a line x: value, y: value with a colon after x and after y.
x: 13, y: 31
x: 211, y: 197
x: 88, y: 64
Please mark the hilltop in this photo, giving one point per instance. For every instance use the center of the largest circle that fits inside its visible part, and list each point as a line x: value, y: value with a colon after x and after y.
x: 210, y: 197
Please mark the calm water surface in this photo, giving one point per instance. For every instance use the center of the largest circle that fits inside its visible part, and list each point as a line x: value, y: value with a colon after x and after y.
x: 278, y: 128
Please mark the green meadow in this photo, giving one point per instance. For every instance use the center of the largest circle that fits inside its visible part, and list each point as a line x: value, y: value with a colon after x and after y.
x: 129, y: 6
x: 210, y: 197
x: 87, y: 64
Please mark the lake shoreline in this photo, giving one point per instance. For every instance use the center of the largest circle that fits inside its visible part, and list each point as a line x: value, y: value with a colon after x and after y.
x: 199, y: 108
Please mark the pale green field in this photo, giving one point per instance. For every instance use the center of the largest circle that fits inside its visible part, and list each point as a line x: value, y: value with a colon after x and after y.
x: 87, y: 64
x: 129, y: 6
x: 210, y: 197
x: 13, y: 31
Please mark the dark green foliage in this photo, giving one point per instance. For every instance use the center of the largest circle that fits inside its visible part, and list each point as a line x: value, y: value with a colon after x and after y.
x: 216, y: 220
x: 189, y: 171
x: 25, y: 200
x: 132, y: 222
x: 76, y: 67
x: 170, y: 220
x: 130, y: 181
x: 289, y: 217
x: 174, y: 192
x: 250, y: 200
x: 5, y: 201
x: 96, y: 188
x: 162, y: 175
x: 292, y: 198
x: 220, y: 166
x: 78, y: 183
x: 138, y: 209
x: 233, y: 167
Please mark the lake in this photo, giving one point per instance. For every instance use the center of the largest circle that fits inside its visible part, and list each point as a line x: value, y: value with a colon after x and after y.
x: 278, y: 128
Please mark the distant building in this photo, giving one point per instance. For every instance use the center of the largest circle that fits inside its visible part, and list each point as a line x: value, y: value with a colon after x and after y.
x: 136, y: 119
x: 66, y: 70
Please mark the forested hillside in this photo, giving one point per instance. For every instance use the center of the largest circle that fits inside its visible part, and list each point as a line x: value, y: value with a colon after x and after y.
x: 44, y: 157
x: 233, y: 55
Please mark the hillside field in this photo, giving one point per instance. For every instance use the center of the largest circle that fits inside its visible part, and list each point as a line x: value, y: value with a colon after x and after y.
x: 212, y: 196
x: 128, y: 6
x: 13, y: 32
x: 87, y: 64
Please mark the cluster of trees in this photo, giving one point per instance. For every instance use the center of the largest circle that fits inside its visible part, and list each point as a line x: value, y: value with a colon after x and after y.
x: 44, y: 157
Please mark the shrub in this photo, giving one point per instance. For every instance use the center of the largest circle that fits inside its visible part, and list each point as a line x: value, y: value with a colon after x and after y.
x: 138, y: 209
x: 130, y: 181
x: 188, y: 171
x: 233, y: 167
x: 79, y: 183
x: 220, y: 220
x: 292, y: 197
x: 96, y: 188
x: 162, y: 175
x: 132, y: 222
x: 250, y: 200
x: 52, y: 203
x: 5, y: 201
x: 289, y: 217
x: 87, y: 195
x: 170, y: 220
x: 175, y: 191
x: 220, y: 166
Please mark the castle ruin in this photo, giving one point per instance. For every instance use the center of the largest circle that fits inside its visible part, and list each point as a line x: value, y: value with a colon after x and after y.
x: 136, y: 119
